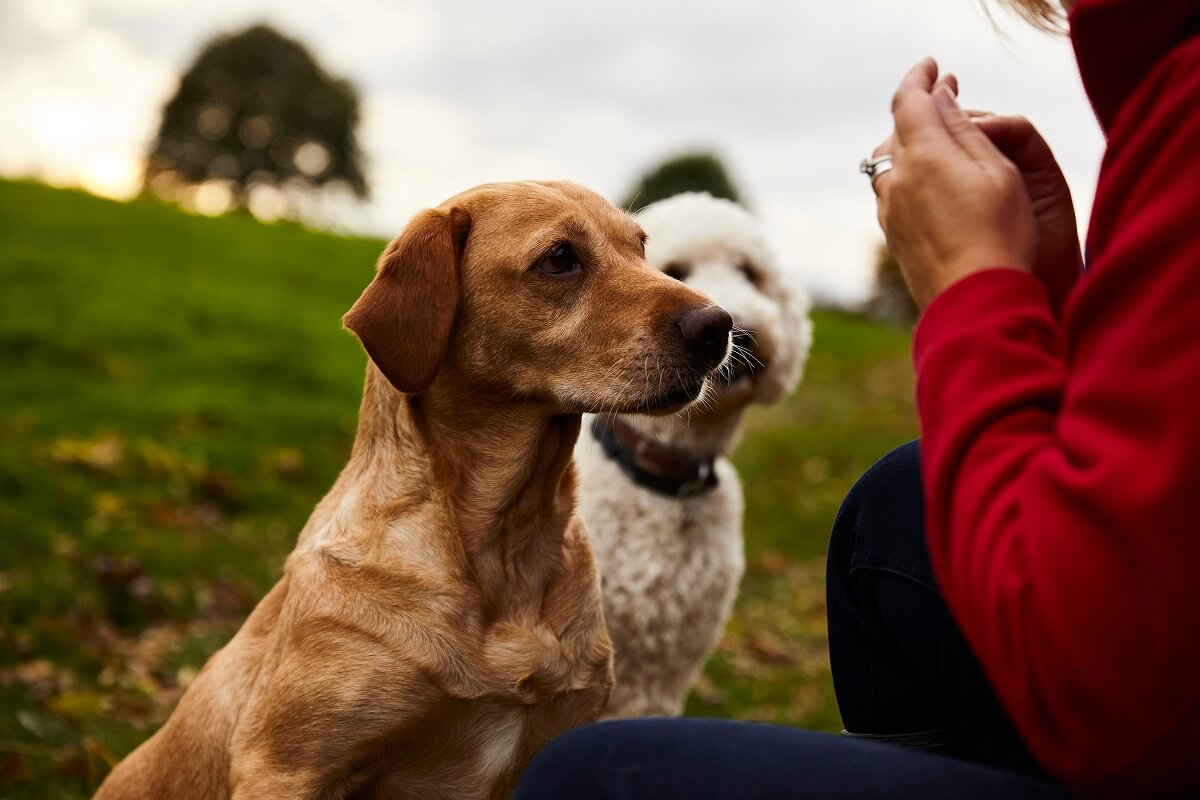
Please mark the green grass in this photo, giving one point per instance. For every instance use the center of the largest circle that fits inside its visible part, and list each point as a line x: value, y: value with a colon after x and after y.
x: 176, y: 394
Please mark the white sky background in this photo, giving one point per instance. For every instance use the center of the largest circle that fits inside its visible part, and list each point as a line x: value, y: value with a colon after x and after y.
x: 790, y: 95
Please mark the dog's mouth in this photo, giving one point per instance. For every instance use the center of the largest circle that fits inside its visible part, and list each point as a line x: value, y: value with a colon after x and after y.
x: 740, y: 374
x: 740, y: 371
x: 671, y: 401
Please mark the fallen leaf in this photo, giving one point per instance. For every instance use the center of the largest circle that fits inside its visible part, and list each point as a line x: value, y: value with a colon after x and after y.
x: 770, y: 648
x: 288, y: 461
x: 102, y: 454
x: 79, y: 704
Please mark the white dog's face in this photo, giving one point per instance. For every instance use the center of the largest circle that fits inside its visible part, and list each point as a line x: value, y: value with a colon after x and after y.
x: 717, y: 248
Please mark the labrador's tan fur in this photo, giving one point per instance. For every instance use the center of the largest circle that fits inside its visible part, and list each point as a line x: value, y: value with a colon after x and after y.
x: 440, y: 618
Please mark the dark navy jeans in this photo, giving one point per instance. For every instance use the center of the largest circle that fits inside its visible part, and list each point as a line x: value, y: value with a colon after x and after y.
x: 926, y: 723
x: 901, y: 668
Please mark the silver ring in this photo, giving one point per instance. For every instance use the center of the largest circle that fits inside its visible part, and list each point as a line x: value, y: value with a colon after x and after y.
x: 874, y: 167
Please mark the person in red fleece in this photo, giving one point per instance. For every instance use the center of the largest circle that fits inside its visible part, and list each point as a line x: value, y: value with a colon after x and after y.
x: 1060, y: 430
x: 1011, y: 600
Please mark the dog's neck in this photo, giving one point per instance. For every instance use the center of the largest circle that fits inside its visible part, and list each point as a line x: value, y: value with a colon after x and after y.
x: 506, y: 469
x: 700, y: 434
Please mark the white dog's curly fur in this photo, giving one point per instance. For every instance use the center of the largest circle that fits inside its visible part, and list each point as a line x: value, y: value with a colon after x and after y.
x: 671, y: 566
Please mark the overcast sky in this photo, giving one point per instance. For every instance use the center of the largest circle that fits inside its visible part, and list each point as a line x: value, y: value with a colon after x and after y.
x: 791, y: 94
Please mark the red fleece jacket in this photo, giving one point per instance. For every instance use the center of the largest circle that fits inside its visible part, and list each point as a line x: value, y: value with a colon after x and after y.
x: 1061, y: 451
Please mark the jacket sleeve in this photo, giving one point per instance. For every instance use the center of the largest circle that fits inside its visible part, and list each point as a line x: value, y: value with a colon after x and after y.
x: 1062, y: 469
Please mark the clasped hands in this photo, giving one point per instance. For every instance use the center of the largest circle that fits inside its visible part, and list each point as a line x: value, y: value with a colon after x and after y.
x: 969, y: 191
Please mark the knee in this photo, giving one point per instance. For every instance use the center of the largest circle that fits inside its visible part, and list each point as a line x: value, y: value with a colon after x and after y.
x: 886, y: 500
x: 891, y: 482
x: 573, y: 765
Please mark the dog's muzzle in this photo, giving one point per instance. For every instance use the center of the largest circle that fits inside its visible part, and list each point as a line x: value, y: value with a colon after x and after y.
x: 745, y: 359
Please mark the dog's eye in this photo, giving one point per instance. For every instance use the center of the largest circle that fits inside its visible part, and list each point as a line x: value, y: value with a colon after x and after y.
x: 561, y: 260
x: 751, y: 273
x: 677, y: 271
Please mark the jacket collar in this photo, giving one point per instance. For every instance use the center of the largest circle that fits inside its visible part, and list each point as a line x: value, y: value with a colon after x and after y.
x: 1118, y: 42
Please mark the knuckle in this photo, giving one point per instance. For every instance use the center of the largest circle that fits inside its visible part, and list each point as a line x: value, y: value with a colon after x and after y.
x: 1009, y: 174
x: 1009, y: 180
x: 961, y: 123
x: 920, y: 155
x: 1022, y: 127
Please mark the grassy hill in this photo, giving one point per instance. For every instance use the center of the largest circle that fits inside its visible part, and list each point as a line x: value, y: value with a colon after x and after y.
x: 175, y: 395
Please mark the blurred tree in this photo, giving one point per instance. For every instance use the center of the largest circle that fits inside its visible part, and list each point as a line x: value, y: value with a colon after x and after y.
x: 890, y: 300
x: 256, y: 109
x: 690, y: 172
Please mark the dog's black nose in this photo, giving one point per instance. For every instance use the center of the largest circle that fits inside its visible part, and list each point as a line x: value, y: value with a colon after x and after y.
x: 706, y: 329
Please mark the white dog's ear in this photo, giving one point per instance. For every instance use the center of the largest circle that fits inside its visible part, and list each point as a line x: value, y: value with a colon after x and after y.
x: 788, y: 367
x: 404, y: 317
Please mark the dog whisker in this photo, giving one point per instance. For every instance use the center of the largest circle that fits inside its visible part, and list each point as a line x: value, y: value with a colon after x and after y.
x: 749, y: 355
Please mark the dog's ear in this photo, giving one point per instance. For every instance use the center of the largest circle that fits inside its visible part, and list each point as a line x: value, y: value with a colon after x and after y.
x: 405, y: 315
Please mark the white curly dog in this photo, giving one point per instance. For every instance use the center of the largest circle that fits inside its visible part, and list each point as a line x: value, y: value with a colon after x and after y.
x: 662, y: 502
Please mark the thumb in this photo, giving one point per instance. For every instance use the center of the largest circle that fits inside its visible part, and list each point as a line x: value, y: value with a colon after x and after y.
x: 1019, y: 141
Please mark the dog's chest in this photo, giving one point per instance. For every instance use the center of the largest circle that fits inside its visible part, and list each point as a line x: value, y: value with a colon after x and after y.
x: 493, y: 744
x: 498, y: 739
x: 488, y: 741
x: 649, y: 544
x: 525, y: 686
x: 484, y: 741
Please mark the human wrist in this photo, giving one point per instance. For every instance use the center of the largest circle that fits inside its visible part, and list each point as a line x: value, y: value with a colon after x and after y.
x: 960, y: 268
x: 973, y: 299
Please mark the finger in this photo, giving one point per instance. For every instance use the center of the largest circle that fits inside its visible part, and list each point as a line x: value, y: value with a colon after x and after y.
x: 885, y: 148
x: 1008, y: 129
x: 880, y: 183
x: 882, y: 187
x: 950, y: 81
x: 1019, y: 140
x: 917, y: 119
x: 912, y: 106
x: 966, y: 133
x: 919, y: 78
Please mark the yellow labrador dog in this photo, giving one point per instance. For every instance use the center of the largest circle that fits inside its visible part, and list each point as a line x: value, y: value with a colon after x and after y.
x: 440, y: 618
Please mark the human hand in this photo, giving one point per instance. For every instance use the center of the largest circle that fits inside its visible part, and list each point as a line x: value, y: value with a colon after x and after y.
x: 1057, y: 260
x: 952, y: 204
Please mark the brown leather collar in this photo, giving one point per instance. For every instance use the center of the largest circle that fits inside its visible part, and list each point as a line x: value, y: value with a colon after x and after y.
x: 652, y: 464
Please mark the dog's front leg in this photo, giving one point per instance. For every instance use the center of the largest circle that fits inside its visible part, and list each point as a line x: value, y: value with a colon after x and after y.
x: 331, y: 711
x: 324, y: 758
x: 257, y: 779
